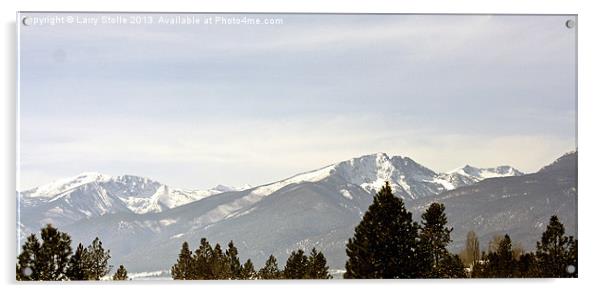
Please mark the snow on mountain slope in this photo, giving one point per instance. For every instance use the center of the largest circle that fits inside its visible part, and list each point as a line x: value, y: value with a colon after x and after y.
x: 469, y: 175
x: 93, y: 194
x: 484, y: 173
x: 407, y: 177
x: 520, y: 206
x: 321, y: 208
x: 370, y: 172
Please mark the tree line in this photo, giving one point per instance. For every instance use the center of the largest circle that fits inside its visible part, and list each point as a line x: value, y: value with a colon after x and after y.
x: 212, y: 263
x: 51, y: 259
x: 387, y: 244
x: 555, y: 256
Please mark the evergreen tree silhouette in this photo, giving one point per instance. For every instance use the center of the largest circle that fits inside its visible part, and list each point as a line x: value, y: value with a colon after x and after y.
x: 96, y: 260
x: 270, y: 270
x: 233, y: 261
x: 385, y: 241
x: 297, y: 266
x: 184, y: 268
x: 556, y: 253
x: 77, y: 267
x: 46, y: 260
x: 248, y: 271
x: 317, y: 267
x: 434, y: 238
x: 121, y: 274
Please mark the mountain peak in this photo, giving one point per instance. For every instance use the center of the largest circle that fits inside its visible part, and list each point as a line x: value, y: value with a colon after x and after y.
x: 372, y: 171
x: 61, y: 185
x: 135, y: 193
x: 472, y: 173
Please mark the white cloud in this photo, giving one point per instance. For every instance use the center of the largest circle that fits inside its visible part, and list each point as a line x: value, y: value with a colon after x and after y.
x: 270, y: 150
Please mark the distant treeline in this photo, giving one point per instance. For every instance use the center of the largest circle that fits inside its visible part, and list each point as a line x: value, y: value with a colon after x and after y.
x: 387, y: 244
x: 208, y: 263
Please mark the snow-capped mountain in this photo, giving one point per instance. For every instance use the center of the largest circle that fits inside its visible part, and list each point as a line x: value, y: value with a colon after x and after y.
x: 316, y: 208
x: 407, y: 178
x: 469, y: 175
x: 94, y: 194
x: 520, y: 206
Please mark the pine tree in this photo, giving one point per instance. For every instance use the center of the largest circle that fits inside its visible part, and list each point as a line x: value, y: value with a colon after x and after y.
x: 184, y: 267
x: 296, y: 266
x: 317, y: 267
x: 77, y: 269
x: 121, y: 274
x: 96, y: 260
x: 556, y: 253
x: 220, y: 267
x: 501, y: 263
x: 434, y: 238
x: 527, y: 266
x: 385, y: 241
x: 248, y: 271
x: 26, y: 261
x: 202, y: 261
x: 233, y: 260
x: 270, y: 270
x: 47, y: 260
x: 451, y: 266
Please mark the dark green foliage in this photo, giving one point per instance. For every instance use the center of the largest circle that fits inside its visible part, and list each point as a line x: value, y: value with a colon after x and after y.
x: 184, y: 268
x: 555, y: 255
x: 233, y: 261
x: 26, y: 261
x: 247, y: 271
x: 296, y: 266
x: 52, y: 259
x: 96, y: 261
x: 317, y: 267
x: 270, y: 270
x: 505, y: 264
x: 121, y: 274
x: 556, y: 252
x: 219, y: 265
x: 451, y: 266
x: 202, y: 261
x: 211, y: 263
x: 499, y: 263
x: 47, y: 260
x: 207, y: 263
x: 385, y: 241
x: 300, y: 266
x: 77, y: 268
x: 527, y: 266
x: 433, y: 233
x: 434, y: 237
x: 91, y: 263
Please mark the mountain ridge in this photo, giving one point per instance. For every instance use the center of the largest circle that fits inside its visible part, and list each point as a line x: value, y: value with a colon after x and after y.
x: 315, y: 208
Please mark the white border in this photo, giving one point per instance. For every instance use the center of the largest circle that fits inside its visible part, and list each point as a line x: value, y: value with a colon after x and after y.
x: 589, y: 134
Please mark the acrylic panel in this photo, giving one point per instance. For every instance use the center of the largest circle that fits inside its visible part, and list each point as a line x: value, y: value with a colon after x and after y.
x: 195, y: 146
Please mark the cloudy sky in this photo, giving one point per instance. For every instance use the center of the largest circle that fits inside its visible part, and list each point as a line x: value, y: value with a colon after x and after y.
x: 198, y: 105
